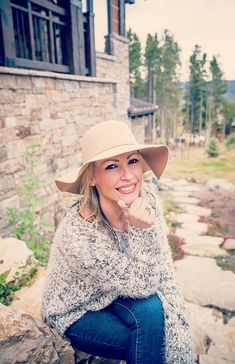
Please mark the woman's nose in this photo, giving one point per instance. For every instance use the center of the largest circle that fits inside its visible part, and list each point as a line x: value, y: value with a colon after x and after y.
x: 126, y: 173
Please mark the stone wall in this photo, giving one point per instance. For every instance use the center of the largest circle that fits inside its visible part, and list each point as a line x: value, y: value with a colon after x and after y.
x: 138, y: 128
x: 54, y: 110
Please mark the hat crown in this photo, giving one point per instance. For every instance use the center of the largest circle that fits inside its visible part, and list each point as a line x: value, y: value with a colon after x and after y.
x: 105, y: 136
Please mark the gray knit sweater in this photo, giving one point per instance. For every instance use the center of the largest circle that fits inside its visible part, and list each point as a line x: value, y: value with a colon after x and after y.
x: 91, y: 266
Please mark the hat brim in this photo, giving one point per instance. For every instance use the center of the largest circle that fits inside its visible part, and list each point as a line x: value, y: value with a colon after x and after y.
x: 154, y: 157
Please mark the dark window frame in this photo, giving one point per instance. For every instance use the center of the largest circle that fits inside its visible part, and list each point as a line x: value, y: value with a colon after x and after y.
x: 77, y: 53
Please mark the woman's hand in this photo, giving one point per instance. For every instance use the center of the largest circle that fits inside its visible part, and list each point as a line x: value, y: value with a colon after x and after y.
x: 139, y: 214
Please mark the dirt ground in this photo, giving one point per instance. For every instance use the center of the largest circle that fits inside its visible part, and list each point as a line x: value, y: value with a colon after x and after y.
x: 222, y: 205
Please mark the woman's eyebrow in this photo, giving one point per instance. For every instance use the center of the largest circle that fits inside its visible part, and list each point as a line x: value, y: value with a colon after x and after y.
x: 132, y: 154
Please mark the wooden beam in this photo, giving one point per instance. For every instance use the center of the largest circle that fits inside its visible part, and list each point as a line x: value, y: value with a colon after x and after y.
x: 76, y: 46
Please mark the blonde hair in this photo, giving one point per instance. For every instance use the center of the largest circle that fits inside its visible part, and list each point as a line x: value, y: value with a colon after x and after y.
x: 90, y: 198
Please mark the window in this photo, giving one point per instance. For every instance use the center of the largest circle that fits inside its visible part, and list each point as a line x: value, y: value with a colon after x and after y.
x: 47, y: 34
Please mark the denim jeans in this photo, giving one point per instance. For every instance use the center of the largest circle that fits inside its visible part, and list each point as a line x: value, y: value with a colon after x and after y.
x: 129, y: 329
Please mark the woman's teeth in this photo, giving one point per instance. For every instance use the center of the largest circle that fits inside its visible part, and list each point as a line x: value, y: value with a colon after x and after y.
x: 128, y: 189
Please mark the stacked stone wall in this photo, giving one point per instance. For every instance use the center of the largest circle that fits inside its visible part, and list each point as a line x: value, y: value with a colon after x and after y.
x: 54, y: 110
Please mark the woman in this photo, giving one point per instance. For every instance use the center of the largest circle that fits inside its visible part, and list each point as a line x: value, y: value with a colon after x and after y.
x: 110, y: 284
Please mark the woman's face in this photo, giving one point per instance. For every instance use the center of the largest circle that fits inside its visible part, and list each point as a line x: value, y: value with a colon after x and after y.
x: 118, y: 178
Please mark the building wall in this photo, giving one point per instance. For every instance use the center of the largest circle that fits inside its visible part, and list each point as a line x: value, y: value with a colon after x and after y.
x: 54, y: 110
x: 138, y: 128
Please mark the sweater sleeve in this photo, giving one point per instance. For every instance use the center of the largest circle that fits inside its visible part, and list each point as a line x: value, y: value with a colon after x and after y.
x: 177, y: 325
x: 132, y: 273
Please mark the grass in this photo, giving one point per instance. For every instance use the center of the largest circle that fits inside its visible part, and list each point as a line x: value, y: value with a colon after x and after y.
x: 194, y: 163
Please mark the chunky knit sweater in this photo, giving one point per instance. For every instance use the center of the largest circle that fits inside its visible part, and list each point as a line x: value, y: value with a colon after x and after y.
x: 91, y: 266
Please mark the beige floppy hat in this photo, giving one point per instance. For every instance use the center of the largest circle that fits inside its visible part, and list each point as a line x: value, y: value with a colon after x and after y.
x: 108, y: 139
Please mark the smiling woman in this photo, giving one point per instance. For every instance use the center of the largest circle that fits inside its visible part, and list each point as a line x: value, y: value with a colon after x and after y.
x: 110, y: 284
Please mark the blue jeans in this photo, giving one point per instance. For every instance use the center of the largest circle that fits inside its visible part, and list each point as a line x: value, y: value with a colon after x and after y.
x: 129, y: 329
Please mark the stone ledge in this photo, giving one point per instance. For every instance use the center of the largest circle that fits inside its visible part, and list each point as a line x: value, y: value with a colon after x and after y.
x: 47, y: 74
x: 108, y: 57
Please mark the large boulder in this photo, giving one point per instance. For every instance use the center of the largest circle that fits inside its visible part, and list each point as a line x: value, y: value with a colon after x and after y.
x: 25, y: 340
x: 15, y: 258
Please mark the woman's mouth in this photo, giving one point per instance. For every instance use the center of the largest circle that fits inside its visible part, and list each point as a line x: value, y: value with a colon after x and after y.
x: 127, y: 189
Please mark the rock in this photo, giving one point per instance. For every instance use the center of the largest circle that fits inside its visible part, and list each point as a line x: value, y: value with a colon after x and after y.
x: 190, y: 237
x: 204, y: 250
x: 221, y: 184
x: 190, y: 188
x: 24, y: 340
x: 180, y: 182
x: 186, y: 218
x: 25, y: 301
x: 208, y: 359
x: 183, y: 194
x: 210, y: 335
x: 199, y: 227
x: 200, y: 318
x: 205, y: 283
x: 195, y: 210
x: 15, y: 256
x: 229, y: 244
x: 181, y: 199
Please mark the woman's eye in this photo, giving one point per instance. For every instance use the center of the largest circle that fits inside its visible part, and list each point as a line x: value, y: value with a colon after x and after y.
x: 111, y: 166
x: 132, y: 161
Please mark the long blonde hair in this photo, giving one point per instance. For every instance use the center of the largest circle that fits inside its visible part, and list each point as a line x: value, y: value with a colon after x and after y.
x: 89, y: 196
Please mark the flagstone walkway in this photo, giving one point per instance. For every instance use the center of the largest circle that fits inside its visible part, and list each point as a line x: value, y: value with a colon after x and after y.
x: 209, y: 291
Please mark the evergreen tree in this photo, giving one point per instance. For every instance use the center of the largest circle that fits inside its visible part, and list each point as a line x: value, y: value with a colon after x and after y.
x: 152, y: 63
x: 217, y: 89
x: 197, y: 91
x: 167, y: 84
x: 135, y: 63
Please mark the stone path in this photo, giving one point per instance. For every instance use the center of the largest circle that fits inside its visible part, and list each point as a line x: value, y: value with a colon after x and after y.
x: 209, y: 291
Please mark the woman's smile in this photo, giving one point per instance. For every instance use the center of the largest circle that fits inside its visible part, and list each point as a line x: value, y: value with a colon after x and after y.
x: 127, y: 189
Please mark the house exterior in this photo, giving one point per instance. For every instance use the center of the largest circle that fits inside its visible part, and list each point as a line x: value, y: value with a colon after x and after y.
x: 53, y: 86
x: 142, y: 117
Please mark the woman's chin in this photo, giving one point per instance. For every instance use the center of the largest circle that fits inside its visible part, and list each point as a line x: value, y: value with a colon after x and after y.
x: 129, y: 199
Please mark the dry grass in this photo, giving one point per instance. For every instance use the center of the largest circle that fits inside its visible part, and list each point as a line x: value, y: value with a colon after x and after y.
x: 193, y: 163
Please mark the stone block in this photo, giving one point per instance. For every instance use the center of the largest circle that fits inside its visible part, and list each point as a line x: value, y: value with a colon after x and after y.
x: 8, y: 134
x: 51, y: 124
x: 15, y: 256
x: 71, y: 86
x: 24, y: 82
x: 39, y: 82
x: 229, y: 244
x: 8, y: 81
x: 10, y: 121
x: 205, y: 283
x: 35, y: 114
x: 7, y: 183
x: 15, y: 149
x: 12, y: 165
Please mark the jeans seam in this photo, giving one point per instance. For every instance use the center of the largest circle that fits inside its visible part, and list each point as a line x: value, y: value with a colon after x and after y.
x: 96, y: 341
x: 137, y: 329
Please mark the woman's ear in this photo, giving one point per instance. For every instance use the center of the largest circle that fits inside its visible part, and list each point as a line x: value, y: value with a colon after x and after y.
x: 92, y: 182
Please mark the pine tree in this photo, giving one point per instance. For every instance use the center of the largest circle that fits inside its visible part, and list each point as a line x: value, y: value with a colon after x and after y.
x: 197, y: 91
x: 135, y: 63
x: 217, y: 89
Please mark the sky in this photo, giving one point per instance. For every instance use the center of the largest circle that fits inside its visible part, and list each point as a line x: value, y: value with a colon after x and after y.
x: 208, y: 23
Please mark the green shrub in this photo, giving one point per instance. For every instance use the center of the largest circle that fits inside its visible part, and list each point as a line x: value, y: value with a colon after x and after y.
x: 230, y: 142
x: 7, y: 289
x: 26, y: 224
x: 212, y: 149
